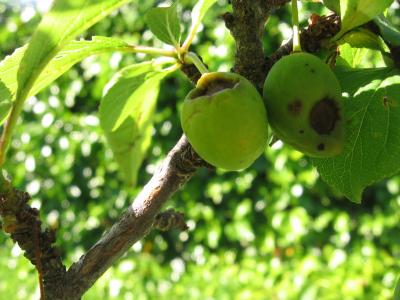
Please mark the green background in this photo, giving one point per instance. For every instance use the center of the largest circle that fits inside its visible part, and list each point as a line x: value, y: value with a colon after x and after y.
x: 273, y: 231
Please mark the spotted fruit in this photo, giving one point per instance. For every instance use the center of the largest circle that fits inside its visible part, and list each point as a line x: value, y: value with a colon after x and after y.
x: 304, y: 105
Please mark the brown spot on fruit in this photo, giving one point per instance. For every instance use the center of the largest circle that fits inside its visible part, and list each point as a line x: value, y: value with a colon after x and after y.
x: 321, y: 147
x: 324, y: 115
x: 295, y: 107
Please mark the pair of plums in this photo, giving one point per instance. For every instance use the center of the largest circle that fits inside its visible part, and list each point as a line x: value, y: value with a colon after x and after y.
x: 226, y: 120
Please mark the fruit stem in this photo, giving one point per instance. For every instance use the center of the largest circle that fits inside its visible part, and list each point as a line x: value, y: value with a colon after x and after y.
x: 192, y: 58
x: 152, y: 51
x: 295, y: 22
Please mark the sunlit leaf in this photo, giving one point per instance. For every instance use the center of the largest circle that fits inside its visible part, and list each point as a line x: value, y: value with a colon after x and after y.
x: 126, y: 112
x: 63, y: 22
x: 164, y: 23
x: 73, y: 52
x: 198, y: 13
x: 357, y: 12
x: 360, y: 57
x: 372, y: 115
x: 362, y: 38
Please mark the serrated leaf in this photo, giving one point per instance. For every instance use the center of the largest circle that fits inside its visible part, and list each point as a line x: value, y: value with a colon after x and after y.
x: 372, y: 115
x: 389, y: 33
x: 126, y: 115
x: 165, y: 24
x: 357, y: 12
x: 72, y: 53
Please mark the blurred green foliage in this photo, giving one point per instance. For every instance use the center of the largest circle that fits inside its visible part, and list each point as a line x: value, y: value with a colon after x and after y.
x: 274, y: 231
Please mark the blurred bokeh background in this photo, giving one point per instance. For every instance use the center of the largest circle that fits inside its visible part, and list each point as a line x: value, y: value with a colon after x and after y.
x: 273, y: 231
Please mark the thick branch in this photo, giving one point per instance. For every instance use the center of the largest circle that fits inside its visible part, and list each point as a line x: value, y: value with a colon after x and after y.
x: 179, y: 166
x: 246, y: 24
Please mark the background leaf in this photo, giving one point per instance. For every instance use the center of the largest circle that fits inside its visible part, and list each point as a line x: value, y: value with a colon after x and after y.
x: 164, y: 23
x: 389, y: 32
x: 372, y: 112
x: 126, y: 112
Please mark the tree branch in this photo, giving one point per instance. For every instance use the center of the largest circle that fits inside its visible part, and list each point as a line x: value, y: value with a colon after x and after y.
x: 23, y: 224
x: 178, y: 167
x: 246, y: 24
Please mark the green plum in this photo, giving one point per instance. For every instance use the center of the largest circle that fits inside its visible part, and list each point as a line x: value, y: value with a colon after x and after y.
x: 304, y: 104
x: 225, y: 121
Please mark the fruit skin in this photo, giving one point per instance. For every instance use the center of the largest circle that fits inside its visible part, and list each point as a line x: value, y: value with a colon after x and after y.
x: 304, y: 105
x: 225, y: 121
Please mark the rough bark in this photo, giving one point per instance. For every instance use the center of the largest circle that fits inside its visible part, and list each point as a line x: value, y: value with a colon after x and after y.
x: 24, y: 226
x: 137, y: 220
x: 246, y: 24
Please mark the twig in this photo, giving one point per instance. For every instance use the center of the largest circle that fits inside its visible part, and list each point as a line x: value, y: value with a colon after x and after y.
x: 170, y: 219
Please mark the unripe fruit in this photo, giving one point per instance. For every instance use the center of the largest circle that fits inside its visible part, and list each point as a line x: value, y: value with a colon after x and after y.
x: 225, y: 121
x: 303, y: 101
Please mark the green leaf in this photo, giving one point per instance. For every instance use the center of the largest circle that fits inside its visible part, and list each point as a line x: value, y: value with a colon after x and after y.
x: 333, y: 5
x: 72, y: 53
x: 362, y: 38
x: 200, y: 10
x: 372, y: 115
x: 129, y: 85
x: 126, y: 115
x: 165, y: 24
x: 357, y: 12
x: 63, y: 22
x: 198, y: 13
x: 66, y: 19
x: 360, y: 57
x: 389, y: 33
